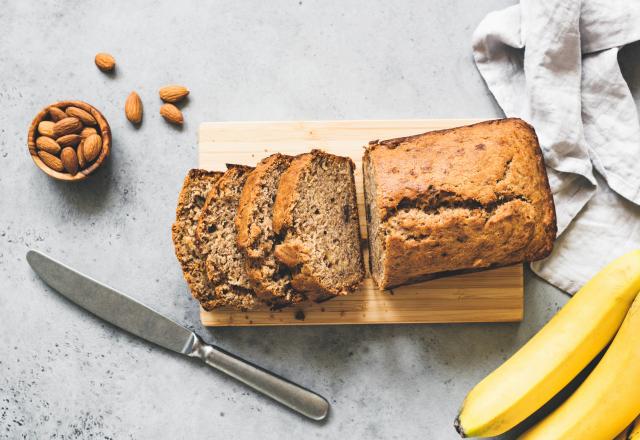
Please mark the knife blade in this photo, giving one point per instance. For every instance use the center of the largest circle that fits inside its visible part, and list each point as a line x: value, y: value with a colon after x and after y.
x: 112, y: 306
x: 138, y: 319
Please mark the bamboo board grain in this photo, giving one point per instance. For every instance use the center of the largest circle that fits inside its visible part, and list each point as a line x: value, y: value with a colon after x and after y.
x: 490, y: 296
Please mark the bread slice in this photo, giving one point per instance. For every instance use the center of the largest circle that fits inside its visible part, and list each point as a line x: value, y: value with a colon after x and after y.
x: 216, y: 239
x: 462, y: 199
x: 256, y: 239
x: 316, y: 217
x: 192, y: 197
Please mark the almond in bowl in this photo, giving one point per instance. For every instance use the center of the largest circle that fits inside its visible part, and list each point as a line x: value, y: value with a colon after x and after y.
x: 69, y: 140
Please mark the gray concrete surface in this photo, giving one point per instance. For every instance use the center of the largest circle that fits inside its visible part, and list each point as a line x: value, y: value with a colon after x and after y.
x: 67, y: 375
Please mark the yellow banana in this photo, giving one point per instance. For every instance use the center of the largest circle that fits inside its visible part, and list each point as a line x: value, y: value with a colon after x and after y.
x: 624, y: 435
x: 554, y: 356
x: 609, y: 398
x: 631, y: 432
x: 635, y: 430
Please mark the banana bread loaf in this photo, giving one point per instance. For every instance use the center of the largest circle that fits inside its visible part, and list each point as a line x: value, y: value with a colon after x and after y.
x: 462, y: 199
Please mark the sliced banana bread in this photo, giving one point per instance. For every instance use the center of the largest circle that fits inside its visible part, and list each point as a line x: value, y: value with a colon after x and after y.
x: 216, y: 239
x: 256, y: 239
x: 466, y: 198
x: 192, y: 197
x: 315, y: 216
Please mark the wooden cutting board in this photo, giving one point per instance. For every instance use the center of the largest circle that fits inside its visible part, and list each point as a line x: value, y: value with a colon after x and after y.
x: 489, y: 296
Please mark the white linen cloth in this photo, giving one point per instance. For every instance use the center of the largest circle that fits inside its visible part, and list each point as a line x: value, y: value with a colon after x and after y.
x: 555, y: 65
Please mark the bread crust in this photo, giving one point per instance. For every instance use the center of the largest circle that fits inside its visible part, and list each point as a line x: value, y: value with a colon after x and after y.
x: 248, y: 199
x: 292, y: 252
x: 485, y: 182
x: 190, y: 203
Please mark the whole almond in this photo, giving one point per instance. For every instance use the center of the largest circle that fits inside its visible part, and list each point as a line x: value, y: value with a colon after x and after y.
x: 171, y: 113
x: 51, y: 161
x: 56, y: 114
x: 67, y: 126
x: 87, y: 131
x: 69, y: 160
x: 45, y: 128
x: 91, y: 147
x: 69, y: 140
x: 47, y: 144
x: 133, y: 108
x: 80, y: 152
x: 105, y: 62
x: 173, y: 93
x: 85, y: 117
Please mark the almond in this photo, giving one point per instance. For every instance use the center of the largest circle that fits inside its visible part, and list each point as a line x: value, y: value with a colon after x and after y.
x: 171, y: 113
x: 133, y: 108
x: 69, y: 160
x: 81, y: 160
x: 173, y: 93
x: 51, y: 161
x: 105, y: 62
x: 86, y: 131
x: 45, y: 128
x: 85, y: 117
x: 47, y: 144
x: 56, y: 114
x: 67, y: 126
x: 69, y: 140
x: 91, y: 147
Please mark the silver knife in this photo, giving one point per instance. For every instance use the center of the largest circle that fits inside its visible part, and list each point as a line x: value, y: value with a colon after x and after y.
x: 136, y: 318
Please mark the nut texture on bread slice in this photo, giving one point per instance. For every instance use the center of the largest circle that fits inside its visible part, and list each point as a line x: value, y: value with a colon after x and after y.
x: 192, y: 197
x: 270, y: 279
x: 316, y: 217
x: 466, y: 198
x: 216, y: 239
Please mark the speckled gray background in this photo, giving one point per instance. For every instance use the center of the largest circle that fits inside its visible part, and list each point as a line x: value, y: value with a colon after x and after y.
x: 65, y: 374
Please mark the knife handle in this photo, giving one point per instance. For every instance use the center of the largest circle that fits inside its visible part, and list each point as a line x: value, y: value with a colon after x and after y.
x: 294, y: 396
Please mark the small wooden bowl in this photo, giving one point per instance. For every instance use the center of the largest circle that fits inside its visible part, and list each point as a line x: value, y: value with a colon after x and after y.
x: 105, y: 133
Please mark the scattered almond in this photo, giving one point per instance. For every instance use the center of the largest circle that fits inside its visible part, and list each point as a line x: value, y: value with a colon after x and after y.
x: 69, y: 140
x: 69, y: 160
x: 91, y: 147
x: 133, y: 108
x: 67, y: 126
x: 171, y: 113
x: 51, y: 161
x: 45, y: 128
x: 86, y: 131
x: 84, y: 116
x: 80, y: 153
x: 173, y: 93
x: 47, y: 144
x: 56, y: 114
x: 105, y: 62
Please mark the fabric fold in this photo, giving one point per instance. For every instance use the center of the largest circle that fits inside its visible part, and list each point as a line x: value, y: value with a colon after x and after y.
x: 555, y: 65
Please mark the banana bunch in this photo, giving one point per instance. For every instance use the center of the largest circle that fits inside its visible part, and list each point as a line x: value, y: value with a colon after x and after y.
x: 603, y: 312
